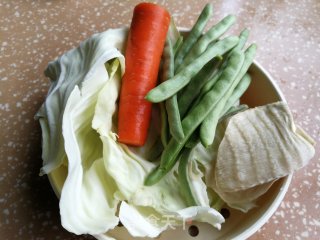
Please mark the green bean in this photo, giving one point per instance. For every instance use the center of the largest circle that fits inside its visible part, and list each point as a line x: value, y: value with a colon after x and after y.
x: 237, y: 93
x: 194, y: 33
x: 208, y: 85
x: 171, y: 103
x: 155, y: 151
x: 168, y: 63
x: 173, y: 32
x: 181, y: 79
x: 164, y: 132
x: 195, y: 117
x: 155, y: 176
x: 193, y: 140
x: 167, y: 66
x: 233, y: 110
x: 213, y: 34
x: 177, y: 45
x: 174, y: 118
x: 243, y: 37
x: 193, y: 88
x: 184, y: 177
x: 207, y: 129
x: 218, y: 204
x: 209, y: 124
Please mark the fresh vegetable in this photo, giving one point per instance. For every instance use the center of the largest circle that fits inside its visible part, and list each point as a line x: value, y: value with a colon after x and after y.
x: 144, y: 48
x: 184, y: 177
x: 243, y: 37
x: 164, y: 132
x: 192, y: 187
x: 210, y: 36
x: 195, y: 117
x: 228, y: 80
x: 211, y: 119
x: 84, y: 150
x: 171, y: 103
x: 64, y: 77
x: 192, y: 90
x: 236, y: 94
x: 183, y: 77
x: 209, y: 124
x: 177, y: 45
x: 209, y: 84
x: 194, y: 34
x: 233, y: 109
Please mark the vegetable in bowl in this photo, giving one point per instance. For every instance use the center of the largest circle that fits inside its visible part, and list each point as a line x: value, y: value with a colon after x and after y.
x: 214, y: 164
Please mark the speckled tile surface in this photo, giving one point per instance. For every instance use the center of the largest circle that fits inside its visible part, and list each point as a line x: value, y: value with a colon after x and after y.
x: 34, y: 32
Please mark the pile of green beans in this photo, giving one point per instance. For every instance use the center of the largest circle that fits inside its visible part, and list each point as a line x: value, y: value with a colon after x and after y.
x: 203, y: 77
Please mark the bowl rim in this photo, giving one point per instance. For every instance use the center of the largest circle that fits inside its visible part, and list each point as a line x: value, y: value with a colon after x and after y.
x: 279, y: 197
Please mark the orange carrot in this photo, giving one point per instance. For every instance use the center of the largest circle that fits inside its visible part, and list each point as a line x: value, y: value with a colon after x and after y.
x: 144, y: 48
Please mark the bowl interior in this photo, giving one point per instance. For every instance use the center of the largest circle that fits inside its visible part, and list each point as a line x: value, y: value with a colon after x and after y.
x: 262, y: 90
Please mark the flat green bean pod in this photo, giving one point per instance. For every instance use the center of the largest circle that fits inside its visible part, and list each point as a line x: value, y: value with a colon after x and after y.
x: 233, y: 110
x: 155, y: 176
x: 209, y: 124
x: 207, y: 129
x: 195, y: 117
x: 243, y: 37
x: 207, y: 87
x: 174, y: 34
x: 218, y: 204
x: 164, y: 131
x: 171, y: 103
x: 193, y: 140
x: 211, y: 35
x: 174, y: 118
x: 177, y: 45
x: 181, y: 79
x: 191, y: 91
x: 194, y: 33
x: 237, y: 93
x: 184, y: 177
x: 155, y: 151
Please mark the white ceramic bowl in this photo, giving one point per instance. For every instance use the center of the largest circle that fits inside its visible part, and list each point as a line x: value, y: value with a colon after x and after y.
x: 240, y: 226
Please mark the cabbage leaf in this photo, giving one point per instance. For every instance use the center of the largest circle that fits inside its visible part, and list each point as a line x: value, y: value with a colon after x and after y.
x: 72, y: 69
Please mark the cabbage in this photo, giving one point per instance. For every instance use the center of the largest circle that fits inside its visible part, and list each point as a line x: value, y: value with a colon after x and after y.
x: 105, y: 179
x: 70, y: 70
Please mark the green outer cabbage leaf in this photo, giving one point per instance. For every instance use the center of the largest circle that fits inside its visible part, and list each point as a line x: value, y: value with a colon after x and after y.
x: 70, y: 70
